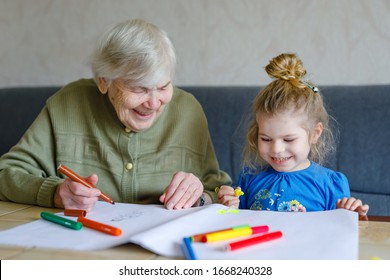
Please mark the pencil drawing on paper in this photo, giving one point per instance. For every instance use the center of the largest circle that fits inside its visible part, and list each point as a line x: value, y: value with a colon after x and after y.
x: 128, y: 216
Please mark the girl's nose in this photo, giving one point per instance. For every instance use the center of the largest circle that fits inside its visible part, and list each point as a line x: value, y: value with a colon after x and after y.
x: 278, y: 147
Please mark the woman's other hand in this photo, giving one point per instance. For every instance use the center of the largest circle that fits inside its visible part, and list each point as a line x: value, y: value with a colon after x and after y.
x: 183, y: 192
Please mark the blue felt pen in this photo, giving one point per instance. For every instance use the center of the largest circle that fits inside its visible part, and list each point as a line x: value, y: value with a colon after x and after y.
x: 187, y: 248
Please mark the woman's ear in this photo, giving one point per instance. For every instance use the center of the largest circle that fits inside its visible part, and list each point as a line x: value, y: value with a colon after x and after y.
x: 102, y: 85
x: 316, y: 133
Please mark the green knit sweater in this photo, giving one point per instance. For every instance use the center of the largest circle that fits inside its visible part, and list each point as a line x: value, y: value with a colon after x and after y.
x: 79, y: 128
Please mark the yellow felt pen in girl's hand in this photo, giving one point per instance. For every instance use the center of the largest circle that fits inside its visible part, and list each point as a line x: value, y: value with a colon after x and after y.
x: 237, y: 191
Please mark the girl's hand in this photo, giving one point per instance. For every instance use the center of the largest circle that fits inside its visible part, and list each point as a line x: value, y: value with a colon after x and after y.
x: 353, y: 204
x: 227, y: 196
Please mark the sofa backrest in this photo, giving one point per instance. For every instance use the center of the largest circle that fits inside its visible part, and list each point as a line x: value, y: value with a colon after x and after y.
x: 361, y: 112
x: 19, y: 107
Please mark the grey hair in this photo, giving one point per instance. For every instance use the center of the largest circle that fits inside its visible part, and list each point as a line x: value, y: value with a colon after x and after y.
x: 137, y: 51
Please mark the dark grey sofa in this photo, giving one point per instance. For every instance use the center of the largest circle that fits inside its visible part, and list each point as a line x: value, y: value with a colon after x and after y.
x: 362, y: 114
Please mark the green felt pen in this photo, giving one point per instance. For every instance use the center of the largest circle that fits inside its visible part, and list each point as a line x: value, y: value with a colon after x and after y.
x: 61, y: 221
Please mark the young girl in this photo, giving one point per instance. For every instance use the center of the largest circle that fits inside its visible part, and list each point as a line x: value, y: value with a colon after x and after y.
x: 287, y: 141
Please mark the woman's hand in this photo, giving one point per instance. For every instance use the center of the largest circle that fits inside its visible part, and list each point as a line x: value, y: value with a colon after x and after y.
x: 73, y: 195
x: 353, y: 204
x: 227, y: 196
x: 183, y: 192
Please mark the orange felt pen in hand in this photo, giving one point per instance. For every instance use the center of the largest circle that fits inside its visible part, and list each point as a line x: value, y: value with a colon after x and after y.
x: 99, y: 226
x: 72, y: 175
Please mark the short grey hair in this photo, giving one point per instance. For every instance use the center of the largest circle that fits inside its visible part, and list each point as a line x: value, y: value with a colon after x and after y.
x: 137, y: 51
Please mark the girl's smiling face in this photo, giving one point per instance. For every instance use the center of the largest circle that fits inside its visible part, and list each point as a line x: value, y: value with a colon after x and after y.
x: 283, y: 141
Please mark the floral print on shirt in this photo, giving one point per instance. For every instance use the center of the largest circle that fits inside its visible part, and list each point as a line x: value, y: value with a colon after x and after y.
x: 264, y: 200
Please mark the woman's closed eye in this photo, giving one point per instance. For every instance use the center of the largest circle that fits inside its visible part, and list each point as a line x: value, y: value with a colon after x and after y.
x: 139, y: 89
x: 163, y: 88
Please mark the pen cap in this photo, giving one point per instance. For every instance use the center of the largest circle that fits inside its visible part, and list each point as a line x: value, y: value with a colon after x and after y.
x: 75, y: 212
x: 259, y: 229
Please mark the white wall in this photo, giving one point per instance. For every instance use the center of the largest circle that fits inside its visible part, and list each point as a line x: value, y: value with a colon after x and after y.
x: 219, y: 42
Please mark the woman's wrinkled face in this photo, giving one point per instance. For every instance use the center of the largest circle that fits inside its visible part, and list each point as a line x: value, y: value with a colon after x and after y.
x: 138, y: 107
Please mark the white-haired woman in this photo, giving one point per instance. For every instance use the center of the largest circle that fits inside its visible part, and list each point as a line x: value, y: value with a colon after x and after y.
x: 144, y: 139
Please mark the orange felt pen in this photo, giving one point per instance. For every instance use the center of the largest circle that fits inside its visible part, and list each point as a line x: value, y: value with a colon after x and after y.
x: 99, y: 226
x: 72, y: 175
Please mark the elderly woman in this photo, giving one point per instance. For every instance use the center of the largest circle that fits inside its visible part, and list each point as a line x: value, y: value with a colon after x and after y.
x: 144, y: 139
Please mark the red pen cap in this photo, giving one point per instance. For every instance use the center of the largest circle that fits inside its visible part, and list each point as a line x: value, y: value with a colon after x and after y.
x: 259, y: 229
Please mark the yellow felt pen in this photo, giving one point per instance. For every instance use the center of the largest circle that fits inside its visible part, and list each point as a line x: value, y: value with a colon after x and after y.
x: 237, y: 191
x: 239, y: 232
x: 199, y: 237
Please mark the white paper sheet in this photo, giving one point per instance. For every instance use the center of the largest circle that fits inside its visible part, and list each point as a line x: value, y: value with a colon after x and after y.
x: 312, y: 235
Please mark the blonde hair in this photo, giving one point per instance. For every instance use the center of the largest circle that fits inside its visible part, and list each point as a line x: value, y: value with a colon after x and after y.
x: 288, y: 91
x: 137, y: 51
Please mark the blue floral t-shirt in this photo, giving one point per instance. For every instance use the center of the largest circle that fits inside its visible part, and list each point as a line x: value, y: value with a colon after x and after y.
x: 315, y: 188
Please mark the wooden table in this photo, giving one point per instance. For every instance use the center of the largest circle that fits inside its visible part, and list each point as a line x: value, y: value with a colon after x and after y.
x: 374, y: 239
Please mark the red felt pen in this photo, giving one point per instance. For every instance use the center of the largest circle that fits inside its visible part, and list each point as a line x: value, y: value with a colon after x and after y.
x: 254, y: 240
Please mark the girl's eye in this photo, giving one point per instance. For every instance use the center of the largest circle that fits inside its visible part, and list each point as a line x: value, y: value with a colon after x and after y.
x: 289, y: 140
x: 265, y: 139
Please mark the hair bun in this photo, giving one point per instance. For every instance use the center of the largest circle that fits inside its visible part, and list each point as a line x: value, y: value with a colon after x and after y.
x: 287, y: 67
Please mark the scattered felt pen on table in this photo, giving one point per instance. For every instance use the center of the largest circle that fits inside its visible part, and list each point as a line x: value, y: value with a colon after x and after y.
x: 75, y: 212
x: 253, y: 240
x: 187, y: 249
x: 228, y: 234
x: 75, y: 177
x: 99, y: 226
x: 199, y: 237
x: 61, y: 221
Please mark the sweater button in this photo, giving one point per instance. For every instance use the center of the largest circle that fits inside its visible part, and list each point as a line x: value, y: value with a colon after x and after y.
x: 129, y: 166
x: 128, y: 130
